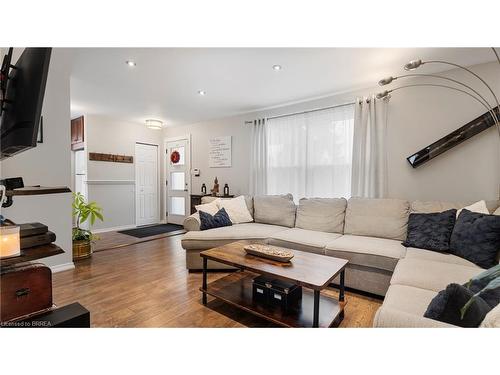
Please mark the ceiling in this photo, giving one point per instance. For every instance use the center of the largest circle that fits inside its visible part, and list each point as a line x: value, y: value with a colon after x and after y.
x: 165, y: 82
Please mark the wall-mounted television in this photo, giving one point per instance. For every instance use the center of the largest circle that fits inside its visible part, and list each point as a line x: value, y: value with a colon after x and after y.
x: 23, y: 89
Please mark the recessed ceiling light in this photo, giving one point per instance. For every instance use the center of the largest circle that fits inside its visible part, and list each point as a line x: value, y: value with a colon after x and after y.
x: 131, y: 63
x: 202, y: 92
x: 277, y: 67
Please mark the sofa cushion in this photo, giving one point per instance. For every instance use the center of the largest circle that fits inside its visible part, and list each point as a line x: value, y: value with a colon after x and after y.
x: 408, y: 299
x: 492, y: 319
x: 384, y: 218
x: 436, y: 206
x: 427, y: 207
x: 321, y: 214
x: 413, y: 253
x: 220, y: 236
x: 391, y: 318
x: 367, y: 251
x: 275, y: 210
x: 404, y: 307
x: 430, y: 231
x: 431, y: 275
x: 303, y: 239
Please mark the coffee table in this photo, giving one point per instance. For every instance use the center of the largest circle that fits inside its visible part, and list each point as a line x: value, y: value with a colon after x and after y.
x: 312, y: 271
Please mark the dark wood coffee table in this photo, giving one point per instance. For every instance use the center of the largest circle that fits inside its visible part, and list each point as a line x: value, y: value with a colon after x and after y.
x: 312, y: 271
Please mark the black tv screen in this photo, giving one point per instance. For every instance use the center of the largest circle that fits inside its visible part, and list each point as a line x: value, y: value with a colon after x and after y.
x: 22, y: 101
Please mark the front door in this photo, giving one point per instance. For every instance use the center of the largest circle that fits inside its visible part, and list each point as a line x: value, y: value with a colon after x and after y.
x: 146, y: 184
x: 178, y: 179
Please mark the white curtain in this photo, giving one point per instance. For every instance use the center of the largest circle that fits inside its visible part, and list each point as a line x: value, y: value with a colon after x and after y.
x: 310, y: 154
x: 369, y: 161
x: 258, y: 158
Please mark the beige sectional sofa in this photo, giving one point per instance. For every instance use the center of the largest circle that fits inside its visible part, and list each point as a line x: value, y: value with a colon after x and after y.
x: 367, y: 232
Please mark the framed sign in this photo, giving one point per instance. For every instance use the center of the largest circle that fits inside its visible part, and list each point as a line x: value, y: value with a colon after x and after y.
x: 219, y: 152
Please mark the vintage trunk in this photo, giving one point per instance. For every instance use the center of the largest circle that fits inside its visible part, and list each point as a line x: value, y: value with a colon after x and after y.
x: 25, y: 290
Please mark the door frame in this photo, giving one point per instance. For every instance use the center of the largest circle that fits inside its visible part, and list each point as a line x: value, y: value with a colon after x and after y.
x: 158, y: 182
x: 165, y: 179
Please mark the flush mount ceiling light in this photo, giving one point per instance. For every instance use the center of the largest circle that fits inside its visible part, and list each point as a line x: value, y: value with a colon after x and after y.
x: 202, y: 92
x: 154, y: 124
x: 277, y: 67
x: 130, y: 63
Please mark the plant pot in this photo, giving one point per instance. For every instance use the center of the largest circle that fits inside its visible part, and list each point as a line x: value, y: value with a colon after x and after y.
x: 82, y: 249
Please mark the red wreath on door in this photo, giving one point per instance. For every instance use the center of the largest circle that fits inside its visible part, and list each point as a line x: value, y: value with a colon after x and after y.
x: 175, y: 157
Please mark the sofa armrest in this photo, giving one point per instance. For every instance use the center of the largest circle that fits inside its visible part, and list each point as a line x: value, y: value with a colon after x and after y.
x: 192, y: 222
x: 392, y: 318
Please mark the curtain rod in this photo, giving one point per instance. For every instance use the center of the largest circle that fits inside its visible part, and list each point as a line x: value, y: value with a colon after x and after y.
x: 308, y: 111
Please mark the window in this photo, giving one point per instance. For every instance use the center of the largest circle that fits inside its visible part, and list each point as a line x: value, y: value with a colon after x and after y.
x: 310, y: 154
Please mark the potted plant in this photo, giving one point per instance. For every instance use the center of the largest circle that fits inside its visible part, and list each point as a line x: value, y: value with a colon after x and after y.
x: 82, y: 238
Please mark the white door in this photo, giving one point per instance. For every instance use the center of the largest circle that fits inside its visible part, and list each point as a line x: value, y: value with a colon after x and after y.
x: 146, y: 184
x: 178, y: 179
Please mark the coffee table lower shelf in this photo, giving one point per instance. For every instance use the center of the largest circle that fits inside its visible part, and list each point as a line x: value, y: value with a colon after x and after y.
x: 236, y: 289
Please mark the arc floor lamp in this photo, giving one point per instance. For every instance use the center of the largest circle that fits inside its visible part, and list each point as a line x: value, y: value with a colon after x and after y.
x: 467, y: 130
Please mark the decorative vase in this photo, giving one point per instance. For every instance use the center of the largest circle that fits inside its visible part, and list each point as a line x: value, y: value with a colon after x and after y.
x: 82, y: 249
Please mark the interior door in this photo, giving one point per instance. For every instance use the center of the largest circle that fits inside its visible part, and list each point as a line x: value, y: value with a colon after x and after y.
x: 178, y: 181
x: 146, y: 184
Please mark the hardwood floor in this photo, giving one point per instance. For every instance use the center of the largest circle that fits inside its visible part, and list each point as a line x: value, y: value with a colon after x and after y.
x: 147, y: 285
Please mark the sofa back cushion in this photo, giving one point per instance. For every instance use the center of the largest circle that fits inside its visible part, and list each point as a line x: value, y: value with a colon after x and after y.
x: 426, y: 207
x: 275, y: 210
x: 321, y: 214
x: 384, y: 218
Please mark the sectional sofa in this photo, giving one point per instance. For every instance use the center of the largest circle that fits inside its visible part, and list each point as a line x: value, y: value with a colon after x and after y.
x: 367, y: 232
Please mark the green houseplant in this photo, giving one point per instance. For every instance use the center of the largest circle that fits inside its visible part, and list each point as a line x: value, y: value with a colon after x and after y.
x: 82, y: 238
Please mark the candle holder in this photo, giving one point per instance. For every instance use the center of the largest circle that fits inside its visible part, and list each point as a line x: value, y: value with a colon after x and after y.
x: 9, y: 241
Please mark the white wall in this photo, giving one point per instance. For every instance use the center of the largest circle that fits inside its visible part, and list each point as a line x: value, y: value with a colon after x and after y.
x: 112, y: 185
x: 417, y: 117
x: 49, y: 163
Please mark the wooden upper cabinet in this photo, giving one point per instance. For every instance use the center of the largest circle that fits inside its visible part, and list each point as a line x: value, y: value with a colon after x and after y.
x: 77, y: 133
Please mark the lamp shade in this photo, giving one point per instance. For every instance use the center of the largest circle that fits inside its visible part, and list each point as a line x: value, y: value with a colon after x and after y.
x: 413, y: 64
x: 382, y: 95
x: 9, y: 241
x: 154, y: 124
x: 386, y: 81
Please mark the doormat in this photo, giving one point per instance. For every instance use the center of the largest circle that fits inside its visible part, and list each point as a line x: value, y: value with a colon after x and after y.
x: 153, y: 230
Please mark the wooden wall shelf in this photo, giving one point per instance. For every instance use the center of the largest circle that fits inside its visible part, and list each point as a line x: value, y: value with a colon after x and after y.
x: 32, y: 253
x: 95, y: 156
x: 38, y: 190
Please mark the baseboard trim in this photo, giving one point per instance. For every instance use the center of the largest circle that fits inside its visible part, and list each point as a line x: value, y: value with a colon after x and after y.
x: 114, y: 229
x: 62, y: 267
x: 110, y: 182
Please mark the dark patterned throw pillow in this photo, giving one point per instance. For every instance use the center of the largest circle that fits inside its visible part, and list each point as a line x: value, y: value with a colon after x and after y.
x: 476, y: 237
x: 447, y: 305
x: 220, y: 219
x: 430, y: 231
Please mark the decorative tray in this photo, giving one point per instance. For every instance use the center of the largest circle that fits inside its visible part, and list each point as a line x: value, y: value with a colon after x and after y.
x: 277, y: 253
